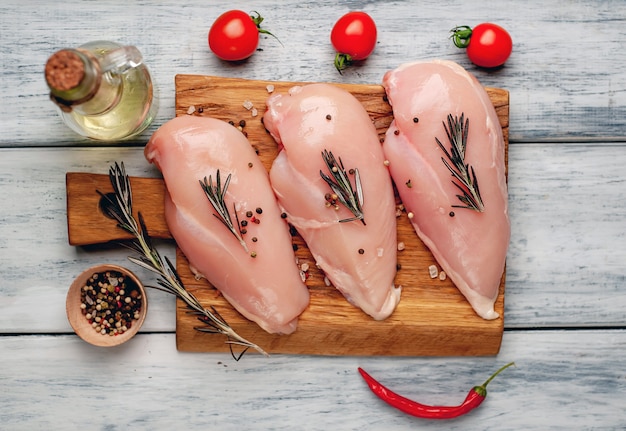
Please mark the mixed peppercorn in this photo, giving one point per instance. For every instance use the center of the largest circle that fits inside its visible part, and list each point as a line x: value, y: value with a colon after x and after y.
x: 111, y: 302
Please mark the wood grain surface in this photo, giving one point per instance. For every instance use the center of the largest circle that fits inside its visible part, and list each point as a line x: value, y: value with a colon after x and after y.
x: 565, y: 325
x: 432, y: 319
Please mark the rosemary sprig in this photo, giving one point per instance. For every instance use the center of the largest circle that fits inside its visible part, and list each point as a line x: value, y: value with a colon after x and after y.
x: 457, y: 130
x: 216, y: 194
x: 118, y: 205
x: 341, y: 186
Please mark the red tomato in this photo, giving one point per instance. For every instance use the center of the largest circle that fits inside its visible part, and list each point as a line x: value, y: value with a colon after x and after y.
x: 354, y: 38
x: 234, y: 35
x: 488, y: 45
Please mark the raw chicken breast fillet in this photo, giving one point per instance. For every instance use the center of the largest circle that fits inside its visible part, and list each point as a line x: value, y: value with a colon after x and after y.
x: 266, y: 289
x: 359, y: 259
x: 470, y: 246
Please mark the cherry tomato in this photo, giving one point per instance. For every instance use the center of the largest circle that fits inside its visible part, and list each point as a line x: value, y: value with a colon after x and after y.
x: 235, y: 35
x: 354, y: 38
x: 488, y: 45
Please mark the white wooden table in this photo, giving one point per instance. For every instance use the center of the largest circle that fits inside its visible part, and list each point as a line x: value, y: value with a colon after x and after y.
x: 565, y: 305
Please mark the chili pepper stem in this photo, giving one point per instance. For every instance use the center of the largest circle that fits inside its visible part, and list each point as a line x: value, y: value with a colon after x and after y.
x: 482, y: 389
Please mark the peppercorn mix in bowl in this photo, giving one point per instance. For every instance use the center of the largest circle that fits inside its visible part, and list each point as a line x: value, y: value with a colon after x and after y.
x: 106, y: 305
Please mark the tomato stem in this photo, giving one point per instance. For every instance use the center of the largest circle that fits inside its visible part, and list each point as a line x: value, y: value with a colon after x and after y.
x: 258, y: 19
x: 461, y: 36
x: 342, y: 61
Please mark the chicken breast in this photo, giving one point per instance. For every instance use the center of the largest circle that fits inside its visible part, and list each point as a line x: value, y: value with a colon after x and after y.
x: 470, y: 245
x: 357, y: 250
x: 259, y: 275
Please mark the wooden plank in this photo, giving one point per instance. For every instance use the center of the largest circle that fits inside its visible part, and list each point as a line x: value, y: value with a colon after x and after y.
x: 560, y: 95
x: 432, y: 319
x: 87, y: 224
x: 47, y: 377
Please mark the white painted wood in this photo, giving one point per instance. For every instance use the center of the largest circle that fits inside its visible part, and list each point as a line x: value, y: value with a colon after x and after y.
x: 565, y: 321
x: 563, y: 380
x: 565, y: 265
x: 566, y: 261
x: 566, y: 75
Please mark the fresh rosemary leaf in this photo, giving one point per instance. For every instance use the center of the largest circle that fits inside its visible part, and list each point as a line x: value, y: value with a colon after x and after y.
x: 457, y: 130
x: 340, y: 184
x: 216, y: 196
x: 119, y: 207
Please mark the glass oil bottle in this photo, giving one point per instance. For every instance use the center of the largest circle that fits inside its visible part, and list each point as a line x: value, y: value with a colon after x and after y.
x: 103, y: 90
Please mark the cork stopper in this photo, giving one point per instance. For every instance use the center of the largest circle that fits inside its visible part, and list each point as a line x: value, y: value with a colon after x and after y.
x: 64, y: 70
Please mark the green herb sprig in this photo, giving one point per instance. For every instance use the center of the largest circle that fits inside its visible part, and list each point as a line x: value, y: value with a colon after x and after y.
x: 457, y: 130
x: 216, y: 194
x: 351, y: 198
x: 119, y: 206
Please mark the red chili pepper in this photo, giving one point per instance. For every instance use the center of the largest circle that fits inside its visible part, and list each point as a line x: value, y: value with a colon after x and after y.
x: 474, y: 398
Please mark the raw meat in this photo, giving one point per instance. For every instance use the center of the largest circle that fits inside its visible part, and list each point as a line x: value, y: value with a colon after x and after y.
x: 267, y: 288
x: 358, y: 258
x: 469, y: 245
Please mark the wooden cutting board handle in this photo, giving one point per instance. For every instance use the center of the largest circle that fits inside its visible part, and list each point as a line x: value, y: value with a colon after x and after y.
x: 86, y: 222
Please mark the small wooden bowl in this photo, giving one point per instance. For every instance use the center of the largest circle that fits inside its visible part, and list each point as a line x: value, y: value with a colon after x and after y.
x: 81, y: 325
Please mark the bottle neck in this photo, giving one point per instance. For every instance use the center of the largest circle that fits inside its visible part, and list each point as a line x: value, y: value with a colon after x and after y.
x: 73, y: 76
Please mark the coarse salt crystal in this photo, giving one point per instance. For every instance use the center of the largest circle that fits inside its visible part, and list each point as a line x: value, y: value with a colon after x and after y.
x: 191, y: 110
x: 270, y: 88
x: 254, y: 112
x: 248, y: 105
x: 379, y: 252
x: 326, y: 281
x: 401, y: 246
x: 432, y: 270
x: 442, y: 275
x: 304, y: 267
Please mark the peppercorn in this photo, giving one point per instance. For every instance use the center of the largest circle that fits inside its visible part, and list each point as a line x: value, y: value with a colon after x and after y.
x: 118, y: 302
x: 292, y: 230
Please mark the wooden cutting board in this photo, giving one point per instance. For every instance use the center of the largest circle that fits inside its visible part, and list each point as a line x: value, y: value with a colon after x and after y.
x: 432, y: 319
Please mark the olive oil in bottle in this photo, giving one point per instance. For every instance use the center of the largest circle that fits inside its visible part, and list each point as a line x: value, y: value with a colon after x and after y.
x: 102, y: 89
